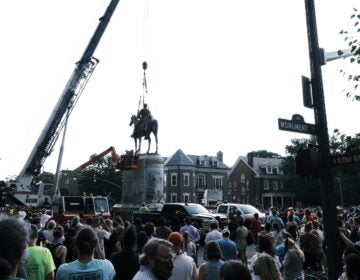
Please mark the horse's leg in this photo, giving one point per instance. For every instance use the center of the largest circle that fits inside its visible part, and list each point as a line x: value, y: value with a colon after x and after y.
x: 139, y: 148
x: 156, y: 142
x: 149, y: 143
x: 135, y: 141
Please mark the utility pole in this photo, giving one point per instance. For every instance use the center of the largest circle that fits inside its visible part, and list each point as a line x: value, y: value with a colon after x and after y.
x: 333, y: 251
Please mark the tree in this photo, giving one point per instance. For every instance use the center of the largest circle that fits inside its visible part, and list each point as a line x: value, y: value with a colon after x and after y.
x: 265, y: 154
x: 353, y: 42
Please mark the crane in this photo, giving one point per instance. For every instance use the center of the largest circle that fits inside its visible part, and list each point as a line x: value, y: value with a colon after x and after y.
x: 84, y: 68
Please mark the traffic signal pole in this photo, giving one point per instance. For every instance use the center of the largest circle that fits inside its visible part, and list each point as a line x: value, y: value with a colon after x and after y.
x: 332, y: 239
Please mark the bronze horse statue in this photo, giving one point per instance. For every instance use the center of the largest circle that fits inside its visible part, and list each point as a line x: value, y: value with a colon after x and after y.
x: 140, y: 130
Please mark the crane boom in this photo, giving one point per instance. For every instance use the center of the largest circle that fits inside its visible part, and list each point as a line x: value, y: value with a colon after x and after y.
x: 70, y: 95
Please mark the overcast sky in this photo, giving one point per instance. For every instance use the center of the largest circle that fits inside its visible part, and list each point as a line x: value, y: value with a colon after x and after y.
x: 220, y: 74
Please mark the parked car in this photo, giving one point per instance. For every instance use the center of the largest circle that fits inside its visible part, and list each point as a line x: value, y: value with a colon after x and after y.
x: 247, y: 211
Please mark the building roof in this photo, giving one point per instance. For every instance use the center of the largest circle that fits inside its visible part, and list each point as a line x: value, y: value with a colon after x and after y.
x: 181, y: 159
x: 260, y: 164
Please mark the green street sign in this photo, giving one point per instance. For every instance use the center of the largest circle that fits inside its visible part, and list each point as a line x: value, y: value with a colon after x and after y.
x: 297, y: 125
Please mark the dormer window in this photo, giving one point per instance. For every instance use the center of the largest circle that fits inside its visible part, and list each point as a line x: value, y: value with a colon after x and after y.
x: 202, y: 162
x: 279, y: 171
x: 215, y: 163
x: 269, y: 169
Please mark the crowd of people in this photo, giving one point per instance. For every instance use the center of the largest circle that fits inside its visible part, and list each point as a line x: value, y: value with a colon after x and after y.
x: 35, y: 247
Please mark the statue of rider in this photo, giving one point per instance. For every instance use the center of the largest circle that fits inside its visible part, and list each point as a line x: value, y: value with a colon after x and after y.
x: 144, y: 116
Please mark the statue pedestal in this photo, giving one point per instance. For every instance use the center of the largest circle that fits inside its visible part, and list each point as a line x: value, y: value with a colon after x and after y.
x: 145, y: 184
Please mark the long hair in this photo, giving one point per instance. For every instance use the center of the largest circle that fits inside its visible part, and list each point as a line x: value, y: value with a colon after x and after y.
x: 266, y: 268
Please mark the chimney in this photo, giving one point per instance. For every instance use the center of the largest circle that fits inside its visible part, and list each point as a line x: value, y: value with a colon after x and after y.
x: 219, y: 156
x: 250, y: 159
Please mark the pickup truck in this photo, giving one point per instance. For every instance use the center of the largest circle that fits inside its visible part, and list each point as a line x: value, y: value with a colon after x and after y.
x: 197, y: 213
x: 246, y: 210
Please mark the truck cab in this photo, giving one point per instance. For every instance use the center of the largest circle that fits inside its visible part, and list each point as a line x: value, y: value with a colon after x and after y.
x: 66, y: 208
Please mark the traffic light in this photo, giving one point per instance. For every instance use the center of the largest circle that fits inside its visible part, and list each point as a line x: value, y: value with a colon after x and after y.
x: 307, y: 163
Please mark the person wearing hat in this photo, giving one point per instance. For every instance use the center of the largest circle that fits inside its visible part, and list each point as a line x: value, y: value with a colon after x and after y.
x: 227, y: 246
x: 184, y: 266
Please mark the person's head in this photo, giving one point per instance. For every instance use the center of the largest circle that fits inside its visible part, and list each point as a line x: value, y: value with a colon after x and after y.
x: 226, y: 233
x: 214, y: 225
x: 141, y: 240
x: 266, y: 268
x: 352, y: 267
x: 145, y: 105
x: 51, y: 224
x: 86, y: 241
x: 212, y: 251
x: 149, y: 228
x: 186, y: 236
x: 58, y: 232
x: 256, y: 216
x: 234, y: 270
x: 176, y: 239
x: 33, y: 233
x: 157, y: 256
x: 266, y: 244
x: 129, y: 237
x: 13, y: 242
x: 275, y: 226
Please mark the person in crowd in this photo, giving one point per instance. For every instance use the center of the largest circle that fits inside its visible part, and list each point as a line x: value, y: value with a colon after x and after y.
x: 48, y: 231
x: 351, y: 267
x: 175, y: 224
x: 189, y: 247
x: 210, y: 270
x: 138, y: 224
x: 274, y: 218
x: 308, y: 216
x: 86, y: 266
x: 39, y: 264
x: 141, y: 240
x: 241, y: 241
x: 214, y: 233
x: 103, y: 232
x: 162, y: 230
x: 112, y: 244
x: 292, y: 226
x: 184, y: 266
x: 265, y: 268
x: 293, y: 261
x: 13, y: 244
x: 193, y: 231
x: 255, y: 227
x: 44, y: 218
x: 265, y: 245
x: 280, y: 249
x: 319, y: 251
x: 57, y: 248
x: 234, y: 270
x: 232, y: 226
x: 309, y: 244
x: 126, y: 262
x: 149, y: 229
x: 276, y: 233
x: 227, y: 246
x: 156, y: 262
x: 354, y: 235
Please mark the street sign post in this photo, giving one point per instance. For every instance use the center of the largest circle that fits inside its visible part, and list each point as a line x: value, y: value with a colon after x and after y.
x: 297, y: 124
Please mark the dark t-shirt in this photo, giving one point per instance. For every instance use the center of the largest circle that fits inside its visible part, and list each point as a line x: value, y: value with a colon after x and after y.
x: 126, y: 264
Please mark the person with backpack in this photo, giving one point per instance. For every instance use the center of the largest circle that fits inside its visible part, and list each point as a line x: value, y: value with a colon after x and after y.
x: 57, y: 248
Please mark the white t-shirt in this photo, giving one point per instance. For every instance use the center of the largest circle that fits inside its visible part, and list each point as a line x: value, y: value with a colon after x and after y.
x: 184, y: 268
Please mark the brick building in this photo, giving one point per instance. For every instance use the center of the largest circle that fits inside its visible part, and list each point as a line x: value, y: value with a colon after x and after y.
x: 186, y: 177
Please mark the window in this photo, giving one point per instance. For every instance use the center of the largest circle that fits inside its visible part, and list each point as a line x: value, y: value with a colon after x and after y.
x: 186, y: 180
x: 266, y: 184
x: 278, y: 170
x: 202, y: 162
x: 200, y: 182
x: 173, y: 179
x: 186, y: 197
x: 257, y: 199
x: 215, y: 163
x: 165, y: 176
x: 275, y: 185
x: 217, y: 182
x: 269, y: 169
x: 247, y: 185
x: 242, y: 178
x: 243, y: 190
x: 281, y: 185
x: 173, y: 197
